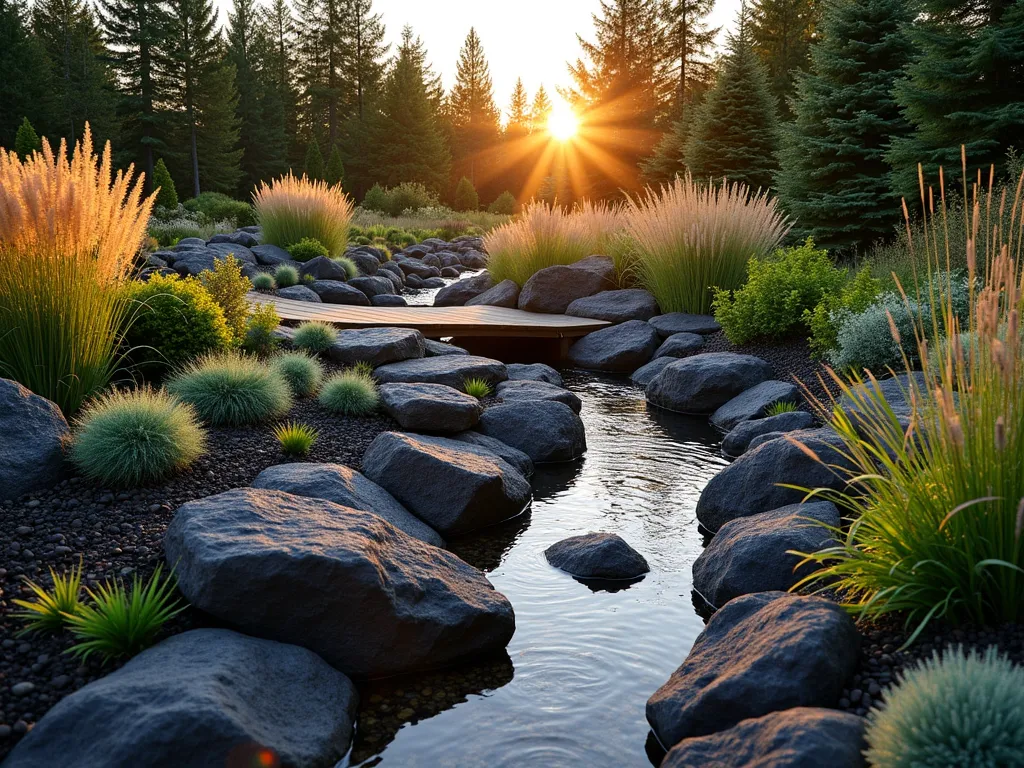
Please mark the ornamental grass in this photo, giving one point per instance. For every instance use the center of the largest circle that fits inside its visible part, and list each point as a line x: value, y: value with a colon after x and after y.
x: 69, y: 231
x: 291, y: 209
x: 935, y: 528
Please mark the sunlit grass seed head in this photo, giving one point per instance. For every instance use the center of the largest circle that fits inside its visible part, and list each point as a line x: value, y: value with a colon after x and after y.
x: 478, y: 388
x: 286, y: 276
x: 296, y: 439
x: 290, y: 209
x: 303, y: 373
x: 231, y: 389
x: 350, y: 394
x: 127, y: 438
x: 48, y: 609
x: 315, y: 336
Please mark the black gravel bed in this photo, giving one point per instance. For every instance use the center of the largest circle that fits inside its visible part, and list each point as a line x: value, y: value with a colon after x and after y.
x: 118, y: 533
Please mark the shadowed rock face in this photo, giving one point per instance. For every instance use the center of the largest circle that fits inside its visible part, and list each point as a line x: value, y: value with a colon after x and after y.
x: 753, y: 403
x: 703, y: 383
x: 597, y: 556
x: 544, y: 430
x: 461, y: 291
x: 534, y: 372
x: 376, y: 346
x: 32, y: 447
x: 623, y: 347
x: 739, y: 439
x: 344, y: 583
x: 450, y: 370
x: 518, y: 391
x: 680, y: 322
x: 616, y: 306
x: 504, y: 294
x: 551, y: 290
x: 201, y: 698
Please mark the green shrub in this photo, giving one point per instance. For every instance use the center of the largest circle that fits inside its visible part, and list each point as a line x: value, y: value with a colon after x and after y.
x: 295, y: 439
x: 48, y: 611
x: 826, y: 318
x: 303, y: 373
x: 232, y: 389
x: 955, y: 709
x: 167, y: 196
x: 478, y: 388
x: 504, y: 204
x: 376, y: 199
x: 174, y: 320
x: 335, y: 171
x: 351, y: 270
x: 259, y: 332
x: 313, y: 166
x: 26, y: 140
x: 290, y: 209
x: 778, y: 291
x: 228, y: 287
x: 219, y: 207
x: 286, y: 276
x: 315, y: 336
x: 466, y: 198
x: 307, y: 248
x: 349, y: 394
x: 123, y: 622
x: 362, y: 241
x: 362, y: 368
x: 263, y: 282
x: 409, y: 196
x: 128, y: 438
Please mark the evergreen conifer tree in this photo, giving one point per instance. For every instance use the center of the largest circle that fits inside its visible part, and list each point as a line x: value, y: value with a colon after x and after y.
x: 466, y: 198
x: 518, y: 112
x: 335, y: 171
x: 540, y: 111
x: 314, y: 164
x: 25, y: 75
x: 474, y: 116
x: 688, y: 40
x: 167, y: 197
x: 781, y: 32
x: 26, y: 140
x: 279, y: 72
x: 217, y: 137
x: 965, y: 87
x: 834, y: 177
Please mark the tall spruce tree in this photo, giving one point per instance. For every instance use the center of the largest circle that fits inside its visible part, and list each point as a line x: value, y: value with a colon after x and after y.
x: 688, y: 41
x: 26, y: 83
x: 966, y: 87
x: 518, y: 123
x: 334, y: 173
x: 279, y: 74
x: 519, y: 150
x: 474, y: 118
x: 781, y: 32
x: 313, y: 166
x: 540, y: 111
x: 834, y: 177
x: 736, y: 130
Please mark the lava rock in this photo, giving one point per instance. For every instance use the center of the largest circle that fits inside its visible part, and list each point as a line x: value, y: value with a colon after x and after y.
x: 504, y: 294
x: 616, y: 306
x: 755, y: 482
x: 341, y: 485
x: 680, y: 345
x: 643, y: 375
x: 534, y: 372
x: 34, y: 432
x: 450, y: 370
x: 453, y: 486
x: 388, y: 300
x: 344, y: 583
x: 299, y: 293
x: 758, y: 654
x: 739, y: 439
x: 543, y: 430
x: 520, y: 391
x: 703, y: 383
x: 461, y: 291
x: 802, y: 737
x: 376, y: 346
x: 751, y: 554
x: 336, y: 292
x: 623, y: 347
x: 373, y: 286
x: 754, y: 403
x: 435, y: 348
x: 597, y: 556
x: 510, y: 455
x: 202, y: 698
x: 680, y: 322
x: 551, y: 290
x: 430, y: 407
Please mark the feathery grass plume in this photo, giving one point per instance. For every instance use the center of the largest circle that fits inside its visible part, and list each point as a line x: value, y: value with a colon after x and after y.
x: 46, y: 613
x: 69, y: 231
x: 954, y: 709
x: 478, y: 388
x: 689, y: 238
x: 350, y: 394
x: 290, y: 209
x: 128, y: 438
x: 232, y: 389
x: 315, y: 336
x: 934, y: 528
x: 546, y: 235
x: 295, y: 439
x: 303, y: 373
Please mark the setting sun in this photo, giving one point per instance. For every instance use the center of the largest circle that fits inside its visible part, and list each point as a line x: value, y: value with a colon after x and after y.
x: 563, y: 123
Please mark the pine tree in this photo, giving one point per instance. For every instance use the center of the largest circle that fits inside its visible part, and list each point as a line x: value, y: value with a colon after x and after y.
x: 26, y: 86
x: 735, y: 132
x: 217, y: 135
x: 781, y: 32
x: 26, y: 140
x: 540, y: 111
x: 668, y: 159
x: 466, y: 197
x: 279, y: 68
x: 474, y: 116
x: 314, y: 164
x: 518, y: 124
x: 335, y: 172
x: 834, y: 178
x: 966, y: 87
x: 688, y: 40
x: 167, y: 197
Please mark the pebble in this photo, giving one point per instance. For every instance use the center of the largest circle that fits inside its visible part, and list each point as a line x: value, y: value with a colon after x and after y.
x: 22, y: 689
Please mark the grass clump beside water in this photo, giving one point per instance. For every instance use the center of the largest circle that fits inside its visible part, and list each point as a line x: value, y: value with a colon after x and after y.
x: 291, y: 209
x: 478, y: 388
x: 230, y: 389
x: 49, y: 608
x: 295, y: 439
x: 129, y: 438
x: 955, y: 709
x: 303, y: 373
x: 315, y: 336
x: 351, y: 393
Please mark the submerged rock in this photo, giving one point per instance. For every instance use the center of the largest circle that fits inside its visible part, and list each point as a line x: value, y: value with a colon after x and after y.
x: 597, y: 556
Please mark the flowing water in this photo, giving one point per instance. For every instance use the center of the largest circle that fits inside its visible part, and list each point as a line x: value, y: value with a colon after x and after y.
x: 583, y: 661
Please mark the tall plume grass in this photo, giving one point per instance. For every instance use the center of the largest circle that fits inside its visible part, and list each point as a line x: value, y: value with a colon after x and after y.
x: 290, y: 209
x: 937, y: 528
x: 69, y: 231
x: 688, y: 238
x: 546, y: 235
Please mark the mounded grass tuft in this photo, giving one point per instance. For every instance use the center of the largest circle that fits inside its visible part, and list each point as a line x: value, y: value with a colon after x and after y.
x: 303, y: 373
x: 478, y: 388
x: 295, y: 439
x: 232, y: 389
x: 264, y: 282
x: 350, y: 394
x: 315, y: 336
x: 286, y: 276
x: 128, y: 438
x: 351, y: 270
x: 291, y: 209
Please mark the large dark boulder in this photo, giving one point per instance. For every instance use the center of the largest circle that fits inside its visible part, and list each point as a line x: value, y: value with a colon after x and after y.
x: 519, y: 391
x: 299, y: 293
x: 551, y: 290
x: 397, y: 281
x: 337, y: 292
x: 436, y: 348
x: 388, y: 300
x: 450, y: 370
x: 703, y: 383
x: 239, y: 237
x: 504, y: 294
x: 392, y: 268
x: 240, y: 252
x: 680, y: 345
x: 623, y: 347
x: 759, y: 654
x: 208, y: 698
x: 343, y: 485
x: 270, y: 255
x: 645, y: 374
x: 344, y: 583
x: 756, y: 481
x: 374, y: 285
x: 534, y: 372
x: 430, y: 407
x: 473, y: 259
x: 454, y: 486
x: 414, y: 282
x: 739, y: 439
x: 32, y: 436
x: 543, y: 430
x: 680, y: 322
x: 616, y: 306
x: 461, y: 291
x: 434, y: 282
x: 323, y: 268
x: 750, y: 554
x: 366, y: 263
x: 597, y: 556
x: 510, y: 455
x: 376, y: 346
x: 416, y: 268
x: 191, y: 263
x: 754, y: 403
x: 802, y: 737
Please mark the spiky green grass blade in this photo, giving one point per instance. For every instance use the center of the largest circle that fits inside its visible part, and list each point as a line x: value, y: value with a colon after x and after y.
x: 47, y: 611
x: 296, y: 439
